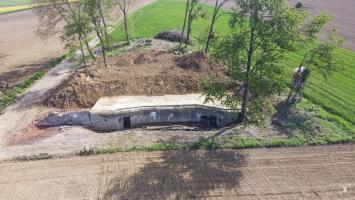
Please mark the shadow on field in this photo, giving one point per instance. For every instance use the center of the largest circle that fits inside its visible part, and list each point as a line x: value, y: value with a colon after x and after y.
x: 181, y: 175
x: 290, y: 120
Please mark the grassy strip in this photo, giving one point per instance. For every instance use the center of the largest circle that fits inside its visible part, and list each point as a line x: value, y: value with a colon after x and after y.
x: 153, y: 147
x: 237, y: 142
x: 233, y: 143
x: 11, y: 95
x: 14, y: 2
x: 60, y: 59
x: 8, y: 9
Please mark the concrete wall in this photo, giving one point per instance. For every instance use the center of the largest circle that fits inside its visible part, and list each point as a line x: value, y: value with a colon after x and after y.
x: 199, y: 115
x: 65, y: 119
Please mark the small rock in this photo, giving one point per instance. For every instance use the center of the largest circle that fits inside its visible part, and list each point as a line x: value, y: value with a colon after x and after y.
x: 88, y: 150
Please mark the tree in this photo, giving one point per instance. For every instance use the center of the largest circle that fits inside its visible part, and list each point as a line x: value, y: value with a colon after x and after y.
x: 124, y: 7
x: 100, y: 5
x: 93, y: 10
x: 184, y: 26
x: 261, y: 31
x: 76, y: 29
x: 320, y: 56
x: 192, y: 12
x: 215, y: 16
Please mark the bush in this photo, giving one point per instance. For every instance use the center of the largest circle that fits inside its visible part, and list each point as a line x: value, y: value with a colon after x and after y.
x: 299, y: 5
x: 204, y: 143
x: 173, y: 36
x: 247, y: 142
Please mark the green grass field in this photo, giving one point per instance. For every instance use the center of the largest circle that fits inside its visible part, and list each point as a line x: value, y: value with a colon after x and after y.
x: 166, y: 15
x: 332, y: 100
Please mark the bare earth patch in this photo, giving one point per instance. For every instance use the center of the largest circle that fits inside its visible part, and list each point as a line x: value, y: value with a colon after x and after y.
x: 152, y: 73
x: 30, y: 134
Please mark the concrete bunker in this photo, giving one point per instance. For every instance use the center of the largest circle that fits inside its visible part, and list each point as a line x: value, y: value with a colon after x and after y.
x: 125, y: 112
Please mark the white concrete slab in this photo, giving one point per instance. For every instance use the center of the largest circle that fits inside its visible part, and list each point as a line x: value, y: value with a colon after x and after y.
x: 126, y: 102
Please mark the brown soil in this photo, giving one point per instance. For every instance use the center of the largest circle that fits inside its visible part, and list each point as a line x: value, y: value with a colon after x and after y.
x: 30, y: 134
x: 322, y: 172
x: 151, y: 73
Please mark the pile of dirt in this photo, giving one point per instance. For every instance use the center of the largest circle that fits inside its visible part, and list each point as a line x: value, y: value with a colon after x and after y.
x: 151, y: 73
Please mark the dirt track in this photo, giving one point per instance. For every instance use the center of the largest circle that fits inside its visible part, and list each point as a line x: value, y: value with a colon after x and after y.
x: 323, y: 172
x: 21, y: 46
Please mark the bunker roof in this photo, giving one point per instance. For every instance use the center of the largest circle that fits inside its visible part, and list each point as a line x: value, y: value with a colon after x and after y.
x: 130, y: 102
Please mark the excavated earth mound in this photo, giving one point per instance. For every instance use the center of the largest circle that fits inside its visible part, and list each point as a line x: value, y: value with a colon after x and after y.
x: 150, y: 73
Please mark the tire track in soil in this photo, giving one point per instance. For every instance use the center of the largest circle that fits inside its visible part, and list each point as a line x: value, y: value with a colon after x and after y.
x: 313, y: 172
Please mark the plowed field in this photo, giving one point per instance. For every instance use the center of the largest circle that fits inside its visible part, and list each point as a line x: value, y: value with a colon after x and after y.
x: 322, y: 172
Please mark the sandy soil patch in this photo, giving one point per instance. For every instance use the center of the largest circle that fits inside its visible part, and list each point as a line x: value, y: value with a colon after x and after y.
x: 322, y: 172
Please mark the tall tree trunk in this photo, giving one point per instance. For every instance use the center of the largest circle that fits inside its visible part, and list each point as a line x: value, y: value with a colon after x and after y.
x: 104, y: 23
x: 89, y: 49
x: 183, y: 27
x: 126, y: 26
x: 82, y: 51
x: 245, y: 100
x: 189, y: 22
x: 215, y: 12
x: 99, y: 35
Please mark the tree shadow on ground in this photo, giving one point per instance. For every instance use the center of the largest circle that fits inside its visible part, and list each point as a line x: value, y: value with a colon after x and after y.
x: 181, y: 175
x: 290, y: 120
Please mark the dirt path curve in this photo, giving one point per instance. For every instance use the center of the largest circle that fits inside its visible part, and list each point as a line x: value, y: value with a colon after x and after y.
x: 322, y: 172
x: 28, y: 107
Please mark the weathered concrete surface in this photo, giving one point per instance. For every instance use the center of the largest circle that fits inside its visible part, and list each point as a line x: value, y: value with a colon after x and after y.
x: 197, y: 115
x: 123, y: 102
x: 61, y: 119
x: 313, y: 172
x: 124, y: 112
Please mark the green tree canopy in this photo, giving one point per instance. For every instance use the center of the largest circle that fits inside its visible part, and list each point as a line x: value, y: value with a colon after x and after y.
x: 262, y: 31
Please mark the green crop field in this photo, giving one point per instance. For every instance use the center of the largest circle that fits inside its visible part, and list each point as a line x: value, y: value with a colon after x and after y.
x: 166, y: 15
x: 7, y: 6
x: 13, y: 2
x: 332, y: 100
